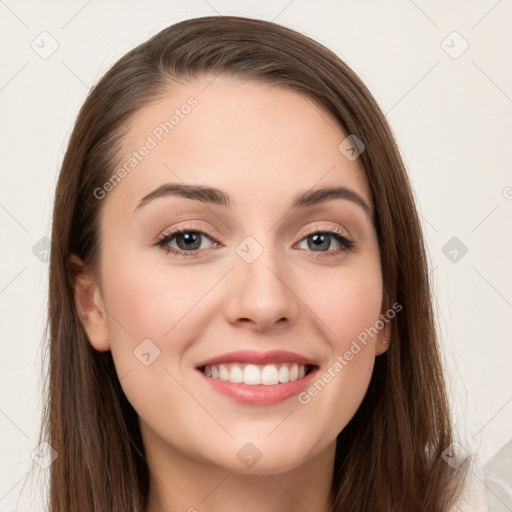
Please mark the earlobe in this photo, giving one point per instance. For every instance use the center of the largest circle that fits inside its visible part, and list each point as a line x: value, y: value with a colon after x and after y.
x: 89, y: 303
x: 381, y: 347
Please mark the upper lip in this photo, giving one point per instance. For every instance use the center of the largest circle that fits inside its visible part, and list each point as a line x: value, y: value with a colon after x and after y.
x: 251, y: 356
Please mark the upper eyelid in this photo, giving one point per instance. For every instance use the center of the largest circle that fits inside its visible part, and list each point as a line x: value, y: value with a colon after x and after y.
x: 185, y: 229
x: 332, y: 227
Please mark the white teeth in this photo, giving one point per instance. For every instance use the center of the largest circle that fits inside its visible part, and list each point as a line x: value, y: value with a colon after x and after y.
x: 223, y: 372
x: 236, y: 374
x: 252, y: 375
x: 284, y: 374
x: 269, y: 375
x: 294, y: 372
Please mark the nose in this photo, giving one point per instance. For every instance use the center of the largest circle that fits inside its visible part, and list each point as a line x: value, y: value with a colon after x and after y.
x: 261, y: 294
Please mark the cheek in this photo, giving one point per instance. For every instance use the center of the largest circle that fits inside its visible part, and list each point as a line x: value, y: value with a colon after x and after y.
x: 152, y: 314
x: 149, y: 301
x: 156, y: 312
x: 348, y: 302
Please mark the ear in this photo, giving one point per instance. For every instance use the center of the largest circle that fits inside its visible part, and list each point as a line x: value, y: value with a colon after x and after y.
x: 89, y: 303
x: 383, y: 337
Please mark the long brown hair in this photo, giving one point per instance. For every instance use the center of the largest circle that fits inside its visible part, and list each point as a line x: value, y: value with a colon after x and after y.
x: 389, y: 456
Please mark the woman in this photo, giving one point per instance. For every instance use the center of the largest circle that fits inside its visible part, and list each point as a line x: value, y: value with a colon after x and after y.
x: 215, y: 174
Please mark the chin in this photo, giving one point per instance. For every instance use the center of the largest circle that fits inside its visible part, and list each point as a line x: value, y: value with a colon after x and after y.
x: 264, y: 456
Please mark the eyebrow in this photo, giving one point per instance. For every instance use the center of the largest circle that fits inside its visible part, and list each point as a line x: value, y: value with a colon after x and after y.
x: 218, y: 197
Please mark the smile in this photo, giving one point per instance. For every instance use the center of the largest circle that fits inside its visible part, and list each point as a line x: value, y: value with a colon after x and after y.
x: 255, y: 378
x: 252, y: 374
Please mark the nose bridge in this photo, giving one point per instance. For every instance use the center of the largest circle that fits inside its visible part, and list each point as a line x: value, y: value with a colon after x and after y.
x: 261, y: 291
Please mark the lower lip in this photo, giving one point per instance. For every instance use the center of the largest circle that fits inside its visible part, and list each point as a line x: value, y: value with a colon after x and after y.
x: 260, y: 394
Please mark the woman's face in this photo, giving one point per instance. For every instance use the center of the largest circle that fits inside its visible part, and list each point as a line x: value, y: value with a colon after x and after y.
x: 261, y: 286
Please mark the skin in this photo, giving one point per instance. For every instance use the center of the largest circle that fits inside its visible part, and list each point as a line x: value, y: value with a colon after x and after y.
x: 262, y: 145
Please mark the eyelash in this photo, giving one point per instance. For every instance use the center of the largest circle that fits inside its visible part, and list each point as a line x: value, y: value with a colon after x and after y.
x: 336, y: 233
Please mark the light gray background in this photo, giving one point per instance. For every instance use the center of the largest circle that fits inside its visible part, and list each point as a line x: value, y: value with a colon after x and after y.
x: 452, y: 118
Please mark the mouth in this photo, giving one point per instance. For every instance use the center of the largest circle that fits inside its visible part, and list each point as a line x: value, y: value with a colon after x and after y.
x: 254, y: 374
x: 255, y: 378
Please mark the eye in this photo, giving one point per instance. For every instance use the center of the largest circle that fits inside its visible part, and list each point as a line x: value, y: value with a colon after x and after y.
x: 319, y: 240
x: 189, y: 241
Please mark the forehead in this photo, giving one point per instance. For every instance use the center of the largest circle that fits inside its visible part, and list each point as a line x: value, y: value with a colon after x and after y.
x: 259, y: 142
